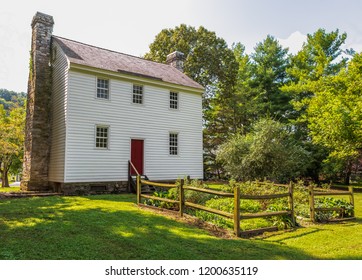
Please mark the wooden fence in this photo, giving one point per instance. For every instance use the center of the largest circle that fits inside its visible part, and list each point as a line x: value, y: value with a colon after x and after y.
x: 236, y: 216
x: 313, y: 209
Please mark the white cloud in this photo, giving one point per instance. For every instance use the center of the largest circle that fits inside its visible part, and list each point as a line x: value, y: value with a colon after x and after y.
x: 294, y: 42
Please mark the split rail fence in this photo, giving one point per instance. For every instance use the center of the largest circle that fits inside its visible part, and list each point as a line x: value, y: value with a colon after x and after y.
x: 237, y: 216
x: 313, y: 193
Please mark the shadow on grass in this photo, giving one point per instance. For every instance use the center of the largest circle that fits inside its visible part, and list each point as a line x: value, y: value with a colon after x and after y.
x: 295, y: 234
x: 112, y: 227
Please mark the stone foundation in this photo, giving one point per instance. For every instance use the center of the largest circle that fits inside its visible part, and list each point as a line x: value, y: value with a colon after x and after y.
x: 90, y: 188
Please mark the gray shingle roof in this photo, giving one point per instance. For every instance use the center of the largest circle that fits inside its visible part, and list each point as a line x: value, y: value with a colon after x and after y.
x: 83, y: 54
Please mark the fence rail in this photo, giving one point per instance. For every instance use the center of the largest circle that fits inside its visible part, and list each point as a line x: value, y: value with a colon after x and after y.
x: 236, y: 216
x: 313, y: 209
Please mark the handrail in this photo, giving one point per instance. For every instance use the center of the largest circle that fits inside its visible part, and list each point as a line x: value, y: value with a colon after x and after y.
x: 134, y: 168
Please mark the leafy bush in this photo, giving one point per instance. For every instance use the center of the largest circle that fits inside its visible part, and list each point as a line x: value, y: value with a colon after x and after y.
x: 282, y: 222
x: 158, y: 203
x: 328, y: 202
x: 301, y: 200
x: 268, y: 151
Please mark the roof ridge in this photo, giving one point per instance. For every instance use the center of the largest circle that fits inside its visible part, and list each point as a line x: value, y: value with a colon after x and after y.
x: 109, y: 50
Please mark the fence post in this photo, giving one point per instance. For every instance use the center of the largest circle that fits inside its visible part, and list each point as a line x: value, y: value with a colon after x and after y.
x: 351, y: 198
x: 138, y: 180
x: 237, y: 211
x: 182, y: 197
x: 311, y: 204
x: 291, y: 203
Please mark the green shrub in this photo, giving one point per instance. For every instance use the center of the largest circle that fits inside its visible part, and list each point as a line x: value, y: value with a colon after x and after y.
x: 269, y: 150
x: 161, y: 204
x: 327, y: 202
x: 282, y: 222
x: 301, y: 200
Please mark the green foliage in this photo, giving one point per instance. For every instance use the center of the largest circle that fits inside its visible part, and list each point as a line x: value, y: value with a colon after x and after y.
x: 329, y: 202
x: 319, y: 57
x: 269, y: 63
x: 208, y: 60
x: 269, y: 151
x: 158, y: 203
x: 301, y: 200
x: 334, y: 116
x: 242, y: 89
x: 11, y: 99
x: 12, y: 125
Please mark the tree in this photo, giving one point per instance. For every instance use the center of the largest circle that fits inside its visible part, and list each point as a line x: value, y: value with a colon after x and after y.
x: 208, y: 60
x: 269, y: 63
x: 11, y: 99
x: 228, y: 114
x: 334, y: 116
x: 320, y: 56
x: 268, y: 151
x: 11, y: 140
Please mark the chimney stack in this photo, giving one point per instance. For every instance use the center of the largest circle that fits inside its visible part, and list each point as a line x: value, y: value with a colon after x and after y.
x: 176, y: 59
x: 37, y: 130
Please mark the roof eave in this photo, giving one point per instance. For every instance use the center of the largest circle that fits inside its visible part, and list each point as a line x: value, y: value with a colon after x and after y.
x: 134, y: 77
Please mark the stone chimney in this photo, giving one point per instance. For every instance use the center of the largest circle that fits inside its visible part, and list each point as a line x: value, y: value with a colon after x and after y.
x: 37, y: 130
x: 176, y: 59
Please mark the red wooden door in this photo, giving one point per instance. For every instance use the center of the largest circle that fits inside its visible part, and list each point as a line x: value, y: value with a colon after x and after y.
x: 137, y: 156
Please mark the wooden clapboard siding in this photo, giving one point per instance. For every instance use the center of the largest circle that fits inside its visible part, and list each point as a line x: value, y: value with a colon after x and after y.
x: 151, y: 121
x: 59, y: 115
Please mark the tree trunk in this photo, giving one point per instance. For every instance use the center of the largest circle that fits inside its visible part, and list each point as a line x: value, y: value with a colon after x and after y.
x: 4, y: 179
x: 348, y: 172
x: 1, y: 175
x: 347, y: 179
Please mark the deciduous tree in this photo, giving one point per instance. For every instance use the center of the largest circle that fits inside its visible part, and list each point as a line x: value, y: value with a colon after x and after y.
x: 334, y: 115
x: 11, y: 140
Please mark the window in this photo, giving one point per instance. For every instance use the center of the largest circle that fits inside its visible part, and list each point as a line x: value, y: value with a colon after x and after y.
x: 137, y: 94
x: 102, y: 136
x: 173, y: 100
x: 102, y: 88
x: 173, y: 144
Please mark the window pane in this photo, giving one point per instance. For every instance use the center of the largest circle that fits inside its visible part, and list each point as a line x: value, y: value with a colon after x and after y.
x: 173, y: 144
x: 102, y: 88
x: 173, y: 100
x: 137, y: 94
x: 102, y: 137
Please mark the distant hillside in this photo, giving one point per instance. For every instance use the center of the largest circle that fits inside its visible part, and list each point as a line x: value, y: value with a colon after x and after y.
x: 10, y: 99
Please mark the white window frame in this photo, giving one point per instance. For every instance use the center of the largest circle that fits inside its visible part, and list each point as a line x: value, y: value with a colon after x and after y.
x: 107, y: 91
x: 174, y: 102
x: 101, y: 137
x: 138, y: 91
x: 173, y: 146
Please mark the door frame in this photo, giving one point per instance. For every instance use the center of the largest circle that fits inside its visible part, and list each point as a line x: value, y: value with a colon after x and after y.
x: 144, y: 146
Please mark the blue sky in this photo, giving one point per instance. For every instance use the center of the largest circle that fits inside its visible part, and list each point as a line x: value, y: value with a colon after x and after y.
x: 130, y: 26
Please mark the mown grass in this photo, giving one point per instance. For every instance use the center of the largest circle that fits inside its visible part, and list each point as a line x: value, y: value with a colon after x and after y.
x: 113, y: 227
x: 327, y: 241
x: 11, y: 189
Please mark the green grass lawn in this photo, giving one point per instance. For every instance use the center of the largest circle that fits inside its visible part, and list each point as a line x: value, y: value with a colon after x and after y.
x: 11, y: 189
x: 113, y: 227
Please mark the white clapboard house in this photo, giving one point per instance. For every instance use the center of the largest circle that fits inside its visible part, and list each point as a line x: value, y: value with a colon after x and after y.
x: 107, y: 109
